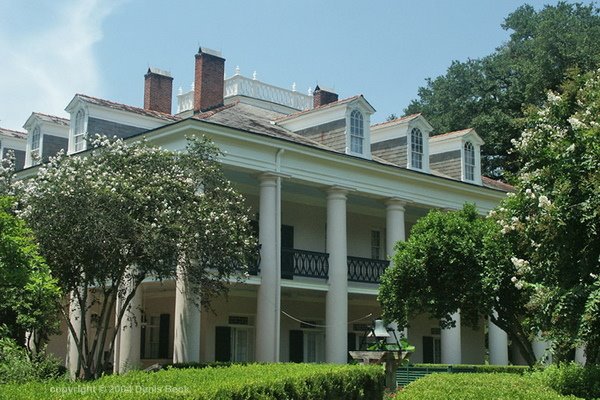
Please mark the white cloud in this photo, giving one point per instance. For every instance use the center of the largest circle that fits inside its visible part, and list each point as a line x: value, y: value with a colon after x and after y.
x: 41, y: 69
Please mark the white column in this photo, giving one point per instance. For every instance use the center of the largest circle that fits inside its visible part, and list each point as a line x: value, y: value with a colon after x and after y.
x: 75, y: 316
x: 117, y: 345
x: 336, y: 302
x: 267, y: 307
x: 131, y: 330
x: 498, y: 343
x: 186, y: 337
x: 450, y: 343
x: 580, y: 355
x: 394, y: 232
x: 540, y: 349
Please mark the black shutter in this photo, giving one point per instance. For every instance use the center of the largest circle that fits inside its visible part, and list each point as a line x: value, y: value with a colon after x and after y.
x: 142, y: 340
x: 351, y: 344
x: 222, y: 343
x: 163, y: 336
x: 296, y: 346
x: 287, y: 257
x: 427, y: 349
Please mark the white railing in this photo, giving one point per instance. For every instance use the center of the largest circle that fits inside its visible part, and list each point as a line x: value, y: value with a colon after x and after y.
x: 239, y: 85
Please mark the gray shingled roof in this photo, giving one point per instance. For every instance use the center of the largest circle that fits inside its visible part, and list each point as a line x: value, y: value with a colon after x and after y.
x: 131, y: 109
x: 15, y: 134
x: 52, y: 119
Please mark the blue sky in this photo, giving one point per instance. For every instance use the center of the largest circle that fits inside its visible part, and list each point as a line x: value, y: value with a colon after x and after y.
x: 50, y: 50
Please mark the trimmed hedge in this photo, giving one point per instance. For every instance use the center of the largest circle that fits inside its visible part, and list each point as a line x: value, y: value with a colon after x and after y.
x: 509, y: 369
x: 583, y: 382
x: 273, y: 381
x: 478, y: 386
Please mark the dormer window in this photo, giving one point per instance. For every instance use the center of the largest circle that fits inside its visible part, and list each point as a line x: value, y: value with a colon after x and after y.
x: 469, y: 162
x: 416, y: 148
x: 357, y: 133
x: 79, y: 132
x: 35, y: 146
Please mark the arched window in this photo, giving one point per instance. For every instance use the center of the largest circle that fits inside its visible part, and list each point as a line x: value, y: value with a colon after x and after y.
x: 416, y: 148
x: 357, y: 134
x: 469, y: 163
x: 35, y: 146
x: 78, y: 132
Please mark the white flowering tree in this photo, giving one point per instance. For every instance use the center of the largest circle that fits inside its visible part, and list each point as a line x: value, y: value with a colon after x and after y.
x: 120, y: 205
x: 552, y: 221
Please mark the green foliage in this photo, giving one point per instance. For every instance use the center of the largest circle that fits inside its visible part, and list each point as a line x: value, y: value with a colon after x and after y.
x: 29, y: 296
x: 273, y: 381
x: 478, y: 386
x: 170, y: 214
x: 490, y: 93
x: 437, y: 270
x: 572, y: 379
x: 552, y: 221
x: 17, y: 365
x: 451, y: 261
x: 479, y: 368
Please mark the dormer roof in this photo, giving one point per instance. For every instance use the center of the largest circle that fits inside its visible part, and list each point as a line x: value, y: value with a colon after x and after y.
x: 468, y: 133
x: 360, y: 98
x: 119, y: 106
x: 13, y: 134
x: 401, y: 120
x: 40, y: 117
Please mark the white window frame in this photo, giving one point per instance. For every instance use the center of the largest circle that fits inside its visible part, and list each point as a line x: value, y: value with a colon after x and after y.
x: 152, y: 327
x: 79, y: 132
x: 416, y: 149
x: 313, y: 346
x: 376, y: 247
x: 236, y: 331
x: 469, y: 162
x: 35, y: 154
x: 357, y: 132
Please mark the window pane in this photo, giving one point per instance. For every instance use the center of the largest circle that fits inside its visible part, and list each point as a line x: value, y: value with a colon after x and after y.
x: 356, y: 132
x: 416, y: 148
x: 469, y: 163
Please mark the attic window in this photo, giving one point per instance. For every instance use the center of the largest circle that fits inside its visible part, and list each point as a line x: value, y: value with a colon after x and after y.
x: 469, y: 163
x: 357, y: 134
x: 416, y: 148
x: 79, y: 132
x: 35, y: 145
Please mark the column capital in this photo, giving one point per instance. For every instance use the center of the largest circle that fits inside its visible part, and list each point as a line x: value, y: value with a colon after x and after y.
x: 337, y: 191
x: 396, y: 203
x: 270, y: 176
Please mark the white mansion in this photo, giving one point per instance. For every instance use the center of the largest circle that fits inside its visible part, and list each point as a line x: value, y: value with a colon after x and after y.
x: 330, y: 193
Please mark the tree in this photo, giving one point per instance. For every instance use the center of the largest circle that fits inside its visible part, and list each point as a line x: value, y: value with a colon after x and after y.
x: 29, y: 296
x: 490, y: 94
x: 121, y: 213
x: 454, y: 261
x: 552, y: 221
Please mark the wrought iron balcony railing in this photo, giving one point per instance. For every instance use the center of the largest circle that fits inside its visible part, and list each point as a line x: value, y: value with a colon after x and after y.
x: 306, y: 263
x: 366, y: 269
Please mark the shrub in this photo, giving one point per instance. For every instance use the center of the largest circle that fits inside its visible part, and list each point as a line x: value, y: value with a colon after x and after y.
x: 18, y: 366
x: 478, y: 386
x: 272, y: 381
x: 509, y: 369
x: 572, y: 379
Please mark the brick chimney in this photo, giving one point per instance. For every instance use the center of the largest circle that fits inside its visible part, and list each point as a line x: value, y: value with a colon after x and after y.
x: 322, y: 97
x: 208, y: 80
x: 158, y: 90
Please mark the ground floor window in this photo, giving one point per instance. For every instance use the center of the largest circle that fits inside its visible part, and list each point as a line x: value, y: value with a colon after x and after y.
x: 307, y: 346
x: 155, y: 336
x: 432, y: 350
x: 234, y: 343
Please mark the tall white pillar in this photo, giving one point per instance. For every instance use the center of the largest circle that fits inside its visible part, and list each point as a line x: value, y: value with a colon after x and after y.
x: 540, y: 349
x: 580, y: 355
x: 75, y: 316
x: 450, y: 343
x: 130, y: 333
x: 186, y: 337
x: 498, y: 343
x: 336, y: 302
x: 267, y: 307
x: 394, y: 232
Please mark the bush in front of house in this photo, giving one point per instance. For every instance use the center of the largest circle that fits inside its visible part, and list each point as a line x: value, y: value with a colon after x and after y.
x: 17, y: 365
x: 249, y: 382
x: 478, y: 368
x: 572, y: 378
x: 478, y: 386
